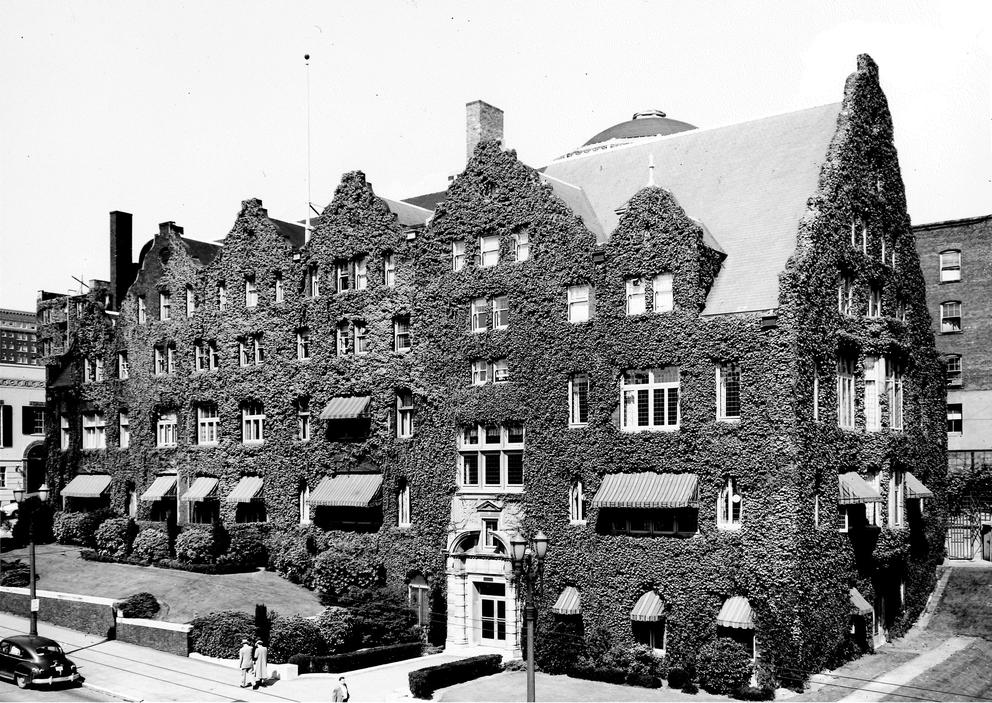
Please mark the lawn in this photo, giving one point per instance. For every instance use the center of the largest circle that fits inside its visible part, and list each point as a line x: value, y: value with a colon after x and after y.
x: 184, y: 594
x: 965, y: 676
x: 966, y: 608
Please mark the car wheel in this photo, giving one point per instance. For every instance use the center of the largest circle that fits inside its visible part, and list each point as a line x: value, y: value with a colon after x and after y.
x: 21, y: 680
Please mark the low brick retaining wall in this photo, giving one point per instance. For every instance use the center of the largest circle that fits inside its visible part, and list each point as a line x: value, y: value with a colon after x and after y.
x: 84, y: 613
x: 168, y: 637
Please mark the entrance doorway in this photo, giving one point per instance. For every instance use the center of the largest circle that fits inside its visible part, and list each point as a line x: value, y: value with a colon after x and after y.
x: 492, y: 612
x: 987, y: 542
x: 34, y: 468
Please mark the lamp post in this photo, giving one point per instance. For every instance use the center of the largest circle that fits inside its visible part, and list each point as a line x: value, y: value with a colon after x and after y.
x: 528, y: 566
x: 19, y: 498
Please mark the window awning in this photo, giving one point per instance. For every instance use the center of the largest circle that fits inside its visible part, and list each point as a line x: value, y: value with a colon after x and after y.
x: 202, y: 488
x: 346, y: 408
x: 736, y: 612
x: 648, y: 608
x: 858, y: 603
x: 87, y: 486
x: 915, y: 487
x: 568, y: 603
x: 347, y: 490
x: 854, y: 489
x: 647, y: 490
x: 162, y: 487
x: 249, y: 488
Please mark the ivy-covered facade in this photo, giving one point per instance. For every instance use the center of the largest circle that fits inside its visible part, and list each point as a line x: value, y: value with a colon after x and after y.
x: 700, y: 362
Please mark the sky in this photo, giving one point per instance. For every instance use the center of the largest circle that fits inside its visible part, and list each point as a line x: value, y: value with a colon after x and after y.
x: 180, y: 110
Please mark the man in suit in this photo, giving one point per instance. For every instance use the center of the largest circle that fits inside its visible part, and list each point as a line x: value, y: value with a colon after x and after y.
x: 340, y: 693
x: 261, y: 664
x: 246, y: 663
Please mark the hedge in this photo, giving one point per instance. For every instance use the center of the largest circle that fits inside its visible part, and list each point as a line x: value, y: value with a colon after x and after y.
x: 115, y: 536
x: 600, y: 673
x: 362, y: 659
x: 195, y: 545
x: 423, y: 682
x: 228, y: 568
x: 294, y: 634
x: 219, y: 634
x: 151, y: 545
x: 723, y: 666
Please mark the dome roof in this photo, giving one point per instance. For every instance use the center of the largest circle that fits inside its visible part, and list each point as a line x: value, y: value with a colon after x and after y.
x: 650, y: 123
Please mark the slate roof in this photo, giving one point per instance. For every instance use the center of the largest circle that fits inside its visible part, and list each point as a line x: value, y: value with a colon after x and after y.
x: 296, y: 234
x: 577, y: 201
x: 747, y: 183
x: 428, y: 201
x: 204, y: 252
x: 408, y: 214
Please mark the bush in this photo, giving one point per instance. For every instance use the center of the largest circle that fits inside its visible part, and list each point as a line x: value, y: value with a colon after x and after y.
x: 289, y: 556
x: 518, y: 665
x: 723, y: 666
x: 139, y: 605
x: 382, y: 616
x: 677, y: 678
x: 337, y: 627
x: 195, y: 545
x: 245, y: 545
x: 754, y: 693
x: 77, y: 527
x: 591, y: 672
x: 350, y: 661
x: 423, y: 682
x: 561, y: 645
x: 15, y: 573
x: 115, y: 536
x: 643, y: 680
x: 347, y: 567
x: 645, y: 664
x: 42, y: 524
x: 690, y: 687
x: 219, y: 634
x: 151, y: 545
x: 294, y: 635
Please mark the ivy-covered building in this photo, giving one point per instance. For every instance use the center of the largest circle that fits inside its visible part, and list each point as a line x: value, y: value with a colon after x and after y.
x: 700, y: 360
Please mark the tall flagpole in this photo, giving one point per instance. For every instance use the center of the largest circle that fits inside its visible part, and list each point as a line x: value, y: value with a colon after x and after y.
x: 306, y: 57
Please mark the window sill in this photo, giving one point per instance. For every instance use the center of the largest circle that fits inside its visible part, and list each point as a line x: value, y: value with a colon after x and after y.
x: 252, y: 442
x: 951, y: 332
x: 729, y: 420
x: 578, y: 523
x: 488, y: 490
x: 577, y: 425
x: 637, y: 430
x: 729, y: 528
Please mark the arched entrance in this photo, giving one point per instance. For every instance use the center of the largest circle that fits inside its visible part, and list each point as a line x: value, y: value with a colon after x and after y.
x: 34, y: 466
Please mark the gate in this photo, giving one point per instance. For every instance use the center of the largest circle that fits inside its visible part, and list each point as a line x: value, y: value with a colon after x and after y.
x: 961, y: 540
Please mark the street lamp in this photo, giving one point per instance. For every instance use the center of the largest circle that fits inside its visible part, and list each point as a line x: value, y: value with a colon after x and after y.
x: 19, y: 498
x: 528, y: 566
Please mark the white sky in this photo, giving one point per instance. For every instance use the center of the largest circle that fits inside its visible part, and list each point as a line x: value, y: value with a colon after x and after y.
x: 179, y: 111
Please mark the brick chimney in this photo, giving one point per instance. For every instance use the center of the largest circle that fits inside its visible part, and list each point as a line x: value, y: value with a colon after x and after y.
x: 482, y: 121
x: 170, y: 227
x: 121, y: 268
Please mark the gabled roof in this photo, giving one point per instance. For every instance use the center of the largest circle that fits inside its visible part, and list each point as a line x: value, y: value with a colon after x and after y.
x: 204, y: 252
x: 407, y: 214
x: 575, y: 198
x: 292, y: 232
x: 747, y: 183
x: 428, y: 201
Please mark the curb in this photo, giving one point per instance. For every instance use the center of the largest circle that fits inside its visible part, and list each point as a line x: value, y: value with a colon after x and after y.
x: 107, y: 692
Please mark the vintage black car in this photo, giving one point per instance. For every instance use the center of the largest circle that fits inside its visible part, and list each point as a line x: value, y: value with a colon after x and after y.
x: 31, y: 660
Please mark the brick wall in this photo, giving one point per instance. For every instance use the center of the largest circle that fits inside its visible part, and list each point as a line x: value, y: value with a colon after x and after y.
x: 163, y: 636
x: 83, y: 613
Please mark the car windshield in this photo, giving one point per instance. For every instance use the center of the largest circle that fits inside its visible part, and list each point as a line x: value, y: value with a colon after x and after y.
x: 49, y: 649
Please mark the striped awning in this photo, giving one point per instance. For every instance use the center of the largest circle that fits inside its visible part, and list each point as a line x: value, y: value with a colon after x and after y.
x: 202, y: 488
x: 736, y: 612
x: 568, y: 603
x: 346, y: 408
x: 249, y: 488
x: 648, y: 608
x: 647, y: 490
x: 858, y: 603
x: 915, y: 487
x: 854, y: 489
x: 347, y: 490
x: 87, y: 486
x: 162, y: 487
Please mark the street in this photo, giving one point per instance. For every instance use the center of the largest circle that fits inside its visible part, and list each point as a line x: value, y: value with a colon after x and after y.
x: 10, y: 692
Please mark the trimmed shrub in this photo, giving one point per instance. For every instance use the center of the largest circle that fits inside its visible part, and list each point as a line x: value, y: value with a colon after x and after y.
x: 350, y: 661
x: 518, y: 665
x: 289, y: 556
x: 77, y: 527
x: 677, y: 678
x: 754, y: 693
x: 606, y: 674
x: 245, y: 545
x: 294, y: 635
x: 423, y: 682
x: 139, y: 605
x: 690, y: 687
x: 346, y: 567
x: 151, y: 545
x: 723, y: 666
x: 15, y: 573
x: 219, y: 634
x: 115, y: 536
x: 643, y: 680
x: 645, y: 664
x: 560, y: 645
x: 383, y: 616
x: 337, y: 627
x: 195, y: 545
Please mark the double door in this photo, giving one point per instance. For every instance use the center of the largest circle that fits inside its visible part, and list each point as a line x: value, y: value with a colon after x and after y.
x: 492, y: 612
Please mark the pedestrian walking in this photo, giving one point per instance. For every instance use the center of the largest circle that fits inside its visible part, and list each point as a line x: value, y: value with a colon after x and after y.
x: 246, y: 663
x: 261, y: 664
x: 341, y: 694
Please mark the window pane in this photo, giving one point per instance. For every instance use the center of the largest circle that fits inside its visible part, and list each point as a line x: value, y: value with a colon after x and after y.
x: 673, y: 405
x: 470, y: 469
x: 493, y: 475
x: 643, y: 408
x: 514, y: 469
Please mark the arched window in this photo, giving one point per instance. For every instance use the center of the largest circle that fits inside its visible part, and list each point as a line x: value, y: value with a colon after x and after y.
x: 729, y: 505
x: 403, y: 504
x: 576, y: 504
x: 304, y: 504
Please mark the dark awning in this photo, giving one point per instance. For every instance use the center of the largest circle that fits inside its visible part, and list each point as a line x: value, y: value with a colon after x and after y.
x: 648, y: 608
x: 647, y: 490
x: 915, y: 487
x: 346, y: 408
x: 347, y: 490
x: 736, y: 612
x: 162, y: 487
x: 859, y: 604
x: 87, y: 486
x: 854, y: 489
x: 568, y: 603
x: 201, y: 489
x: 249, y: 488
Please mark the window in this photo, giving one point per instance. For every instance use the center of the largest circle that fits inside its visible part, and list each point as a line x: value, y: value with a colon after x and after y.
x: 164, y: 306
x: 403, y: 505
x: 501, y: 312
x: 279, y: 290
x: 251, y: 292
x: 521, y: 245
x: 142, y: 310
x: 897, y: 498
x: 64, y: 436
x: 122, y: 368
x: 389, y: 269
x: 488, y: 251
x: 578, y: 395
x: 490, y: 526
x: 635, y: 296
x: 845, y: 393
x: 650, y: 634
x: 900, y: 312
x: 419, y: 598
x: 202, y: 356
x: 341, y: 338
x: 950, y: 266
x: 457, y: 256
x: 166, y: 428
x: 161, y: 366
x: 873, y: 375
x: 124, y: 429
x: 894, y: 381
x: 252, y: 422
x: 954, y: 419
x: 728, y: 509
x: 342, y: 275
x: 361, y: 272
x: 490, y: 457
x: 404, y: 414
x: 663, y: 295
x: 651, y: 522
x: 304, y: 504
x: 875, y: 301
x: 581, y: 302
x: 845, y: 296
x: 170, y: 359
x: 221, y: 296
x: 92, y: 370
x: 649, y: 399
x: 401, y: 334
x: 728, y: 383
x: 94, y: 431
x: 872, y: 510
x: 303, y: 343
x: 32, y: 420
x: 313, y: 281
x: 250, y: 350
x: 303, y: 419
x: 950, y: 317
x: 501, y: 371
x: 479, y: 315
x: 207, y: 424
x: 360, y: 335
x: 480, y: 372
x: 576, y: 504
x: 952, y: 366
x: 190, y: 301
x: 214, y: 355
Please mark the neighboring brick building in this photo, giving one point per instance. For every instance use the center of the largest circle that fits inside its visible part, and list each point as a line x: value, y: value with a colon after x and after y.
x: 698, y: 359
x: 18, y: 337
